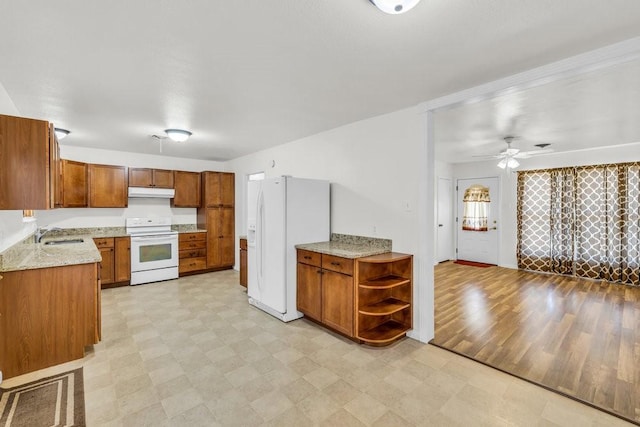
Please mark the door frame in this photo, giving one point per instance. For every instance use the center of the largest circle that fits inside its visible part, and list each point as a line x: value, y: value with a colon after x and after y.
x: 451, y: 219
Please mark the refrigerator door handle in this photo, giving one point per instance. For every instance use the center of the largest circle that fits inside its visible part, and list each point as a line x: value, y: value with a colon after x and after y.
x: 260, y: 237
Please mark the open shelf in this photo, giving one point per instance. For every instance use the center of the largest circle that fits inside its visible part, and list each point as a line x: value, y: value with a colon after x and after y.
x: 386, y: 282
x: 384, y: 297
x: 384, y: 333
x: 384, y: 308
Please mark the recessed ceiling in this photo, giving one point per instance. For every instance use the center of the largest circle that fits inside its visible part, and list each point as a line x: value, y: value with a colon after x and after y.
x: 590, y: 110
x: 244, y: 76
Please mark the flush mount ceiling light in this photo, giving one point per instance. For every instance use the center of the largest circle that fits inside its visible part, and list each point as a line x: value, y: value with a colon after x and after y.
x: 61, y: 133
x: 178, y: 135
x: 395, y: 7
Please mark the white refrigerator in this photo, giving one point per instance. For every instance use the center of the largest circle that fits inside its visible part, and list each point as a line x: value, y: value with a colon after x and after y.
x: 281, y: 213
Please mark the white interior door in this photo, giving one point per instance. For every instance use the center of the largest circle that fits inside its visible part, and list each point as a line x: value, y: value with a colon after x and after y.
x: 479, y: 246
x: 444, y: 218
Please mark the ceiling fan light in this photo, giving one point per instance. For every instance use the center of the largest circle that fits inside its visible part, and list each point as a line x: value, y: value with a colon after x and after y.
x: 178, y: 135
x: 502, y: 163
x: 512, y: 163
x: 395, y: 7
x: 61, y: 133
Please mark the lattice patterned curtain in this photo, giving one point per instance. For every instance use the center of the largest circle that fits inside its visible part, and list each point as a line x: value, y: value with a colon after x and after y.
x: 583, y: 221
x: 476, y: 202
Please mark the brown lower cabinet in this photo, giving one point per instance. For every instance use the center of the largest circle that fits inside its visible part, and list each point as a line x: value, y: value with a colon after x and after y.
x: 243, y: 263
x: 192, y: 251
x: 325, y: 290
x: 58, y: 315
x: 368, y: 299
x: 219, y: 223
x: 115, y: 268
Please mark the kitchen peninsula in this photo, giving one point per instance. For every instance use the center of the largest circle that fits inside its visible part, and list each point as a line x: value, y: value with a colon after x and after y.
x: 356, y: 286
x: 49, y: 304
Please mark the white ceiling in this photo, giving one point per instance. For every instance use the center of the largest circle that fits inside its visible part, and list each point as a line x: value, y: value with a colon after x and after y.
x: 594, y: 109
x: 246, y: 75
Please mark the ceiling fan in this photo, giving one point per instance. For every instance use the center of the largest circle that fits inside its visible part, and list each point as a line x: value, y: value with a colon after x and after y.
x: 508, y: 157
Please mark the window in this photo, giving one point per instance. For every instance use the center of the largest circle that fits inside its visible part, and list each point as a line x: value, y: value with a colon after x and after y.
x: 256, y: 176
x: 476, y: 202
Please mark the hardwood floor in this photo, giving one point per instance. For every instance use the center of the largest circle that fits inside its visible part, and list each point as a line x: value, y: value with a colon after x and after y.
x: 579, y: 337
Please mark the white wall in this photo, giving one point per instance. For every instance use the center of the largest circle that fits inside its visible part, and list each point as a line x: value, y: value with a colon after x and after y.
x: 373, y: 169
x: 373, y: 166
x: 508, y: 184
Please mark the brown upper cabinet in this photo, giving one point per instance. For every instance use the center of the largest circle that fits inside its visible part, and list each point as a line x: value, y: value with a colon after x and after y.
x: 143, y: 177
x: 108, y: 186
x: 28, y: 150
x: 218, y: 189
x: 187, y: 185
x: 73, y: 184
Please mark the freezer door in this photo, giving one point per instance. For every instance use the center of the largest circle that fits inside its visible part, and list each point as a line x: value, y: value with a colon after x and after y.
x: 270, y: 245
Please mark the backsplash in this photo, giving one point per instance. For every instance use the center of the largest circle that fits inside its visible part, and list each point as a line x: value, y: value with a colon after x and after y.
x: 373, y: 242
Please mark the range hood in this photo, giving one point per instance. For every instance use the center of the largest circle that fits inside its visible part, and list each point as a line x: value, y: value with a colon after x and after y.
x: 150, y: 192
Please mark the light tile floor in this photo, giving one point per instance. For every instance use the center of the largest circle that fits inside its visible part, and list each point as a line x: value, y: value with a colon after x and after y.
x: 192, y: 352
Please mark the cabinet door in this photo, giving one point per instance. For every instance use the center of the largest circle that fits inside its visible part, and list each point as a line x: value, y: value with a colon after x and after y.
x: 25, y: 171
x: 337, y: 301
x: 108, y: 186
x: 140, y: 177
x: 107, y: 265
x: 122, y: 259
x: 243, y: 268
x: 74, y: 184
x: 309, y: 291
x: 162, y: 178
x: 227, y: 237
x: 213, y: 237
x: 56, y: 168
x: 187, y: 186
x: 211, y: 189
x: 220, y: 237
x: 227, y: 189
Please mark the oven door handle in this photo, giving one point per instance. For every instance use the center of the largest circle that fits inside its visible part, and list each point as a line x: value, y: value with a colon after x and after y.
x: 153, y: 238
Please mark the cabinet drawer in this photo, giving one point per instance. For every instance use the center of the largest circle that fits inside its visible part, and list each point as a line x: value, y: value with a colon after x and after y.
x: 103, y: 242
x: 193, y: 253
x: 192, y: 264
x: 192, y: 237
x: 337, y: 264
x: 308, y: 257
x: 196, y: 244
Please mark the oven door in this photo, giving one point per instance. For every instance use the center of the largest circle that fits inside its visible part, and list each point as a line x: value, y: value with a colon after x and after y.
x: 153, y: 252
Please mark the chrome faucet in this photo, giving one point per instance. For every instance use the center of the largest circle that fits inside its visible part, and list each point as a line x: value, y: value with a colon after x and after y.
x: 40, y: 232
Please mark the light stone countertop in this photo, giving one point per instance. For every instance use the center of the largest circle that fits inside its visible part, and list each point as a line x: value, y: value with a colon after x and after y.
x: 347, y: 246
x: 27, y: 255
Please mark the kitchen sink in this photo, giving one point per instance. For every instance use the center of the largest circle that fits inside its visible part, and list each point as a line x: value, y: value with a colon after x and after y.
x: 63, y: 242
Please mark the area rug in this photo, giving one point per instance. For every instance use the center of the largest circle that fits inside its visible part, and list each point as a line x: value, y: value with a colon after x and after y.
x: 473, y: 263
x: 54, y: 401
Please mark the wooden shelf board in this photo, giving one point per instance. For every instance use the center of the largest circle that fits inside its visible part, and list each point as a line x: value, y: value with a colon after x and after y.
x: 383, y: 308
x: 385, y: 258
x: 386, y: 332
x: 386, y: 282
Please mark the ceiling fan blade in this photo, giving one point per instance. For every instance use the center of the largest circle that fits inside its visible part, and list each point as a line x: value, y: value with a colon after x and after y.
x: 490, y: 156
